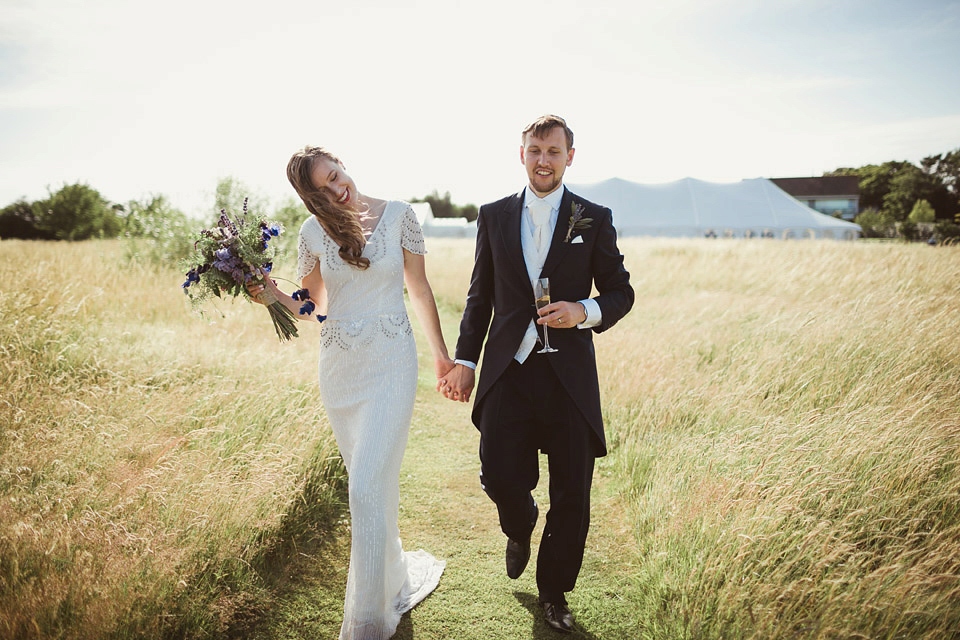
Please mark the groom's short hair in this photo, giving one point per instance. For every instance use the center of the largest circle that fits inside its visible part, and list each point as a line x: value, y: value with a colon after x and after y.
x: 544, y: 124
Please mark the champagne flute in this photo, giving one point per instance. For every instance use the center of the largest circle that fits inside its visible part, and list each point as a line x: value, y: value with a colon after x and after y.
x: 541, y: 291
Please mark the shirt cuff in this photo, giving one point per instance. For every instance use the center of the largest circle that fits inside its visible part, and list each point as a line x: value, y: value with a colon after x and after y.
x: 466, y: 363
x: 594, y: 315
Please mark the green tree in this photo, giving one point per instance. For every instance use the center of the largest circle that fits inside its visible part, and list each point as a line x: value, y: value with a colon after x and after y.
x: 153, y: 217
x: 907, y: 185
x: 895, y: 186
x: 78, y: 212
x: 922, y: 212
x: 944, y: 171
x: 21, y: 219
x: 230, y: 194
x: 158, y: 231
x: 876, y: 224
x: 290, y: 213
x: 443, y: 206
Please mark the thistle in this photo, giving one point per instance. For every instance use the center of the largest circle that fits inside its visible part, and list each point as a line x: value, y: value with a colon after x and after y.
x: 577, y: 221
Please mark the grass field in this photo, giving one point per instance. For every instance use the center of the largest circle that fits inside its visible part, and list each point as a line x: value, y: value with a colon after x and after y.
x: 784, y: 421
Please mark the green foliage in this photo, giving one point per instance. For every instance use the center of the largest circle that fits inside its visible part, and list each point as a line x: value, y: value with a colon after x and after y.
x: 230, y: 194
x: 443, y: 207
x: 908, y: 230
x: 21, y: 220
x: 290, y: 213
x: 921, y: 212
x: 907, y: 186
x: 158, y: 232
x: 946, y: 232
x: 876, y: 224
x: 894, y: 187
x: 78, y: 212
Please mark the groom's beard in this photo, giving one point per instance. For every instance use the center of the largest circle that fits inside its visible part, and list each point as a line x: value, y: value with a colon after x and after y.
x: 546, y: 184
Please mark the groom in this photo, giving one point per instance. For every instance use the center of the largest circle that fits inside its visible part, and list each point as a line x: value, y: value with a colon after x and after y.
x: 529, y: 401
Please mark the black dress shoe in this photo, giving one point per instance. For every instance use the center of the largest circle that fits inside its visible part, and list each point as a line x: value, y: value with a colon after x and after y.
x: 518, y: 552
x: 558, y: 616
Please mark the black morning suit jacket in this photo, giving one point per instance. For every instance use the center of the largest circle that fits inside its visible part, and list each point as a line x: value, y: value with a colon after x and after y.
x: 501, y: 286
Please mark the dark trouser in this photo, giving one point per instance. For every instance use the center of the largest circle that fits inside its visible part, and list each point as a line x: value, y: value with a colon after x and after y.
x: 528, y: 410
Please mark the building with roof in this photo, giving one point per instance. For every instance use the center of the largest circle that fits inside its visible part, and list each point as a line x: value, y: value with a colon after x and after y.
x: 837, y: 196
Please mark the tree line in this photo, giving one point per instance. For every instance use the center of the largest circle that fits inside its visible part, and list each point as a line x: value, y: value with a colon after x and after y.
x: 897, y: 198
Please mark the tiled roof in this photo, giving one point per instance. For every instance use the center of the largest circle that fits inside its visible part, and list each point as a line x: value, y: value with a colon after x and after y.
x: 822, y: 186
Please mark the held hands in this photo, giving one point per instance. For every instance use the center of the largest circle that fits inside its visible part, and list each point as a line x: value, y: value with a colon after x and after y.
x: 562, y: 315
x: 441, y: 366
x: 457, y: 384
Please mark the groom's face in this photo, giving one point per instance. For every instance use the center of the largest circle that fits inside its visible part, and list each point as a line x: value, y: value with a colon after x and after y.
x: 546, y: 159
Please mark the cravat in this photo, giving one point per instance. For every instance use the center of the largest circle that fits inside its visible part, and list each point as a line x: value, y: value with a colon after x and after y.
x: 540, y: 213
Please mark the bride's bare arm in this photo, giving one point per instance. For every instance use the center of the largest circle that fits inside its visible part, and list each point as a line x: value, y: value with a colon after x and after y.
x: 425, y: 306
x: 312, y: 282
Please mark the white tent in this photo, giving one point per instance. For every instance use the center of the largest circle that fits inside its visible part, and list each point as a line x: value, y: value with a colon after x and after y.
x: 755, y: 208
x: 442, y: 227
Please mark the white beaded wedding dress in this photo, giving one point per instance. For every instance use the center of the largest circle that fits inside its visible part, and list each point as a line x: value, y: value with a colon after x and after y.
x: 368, y: 379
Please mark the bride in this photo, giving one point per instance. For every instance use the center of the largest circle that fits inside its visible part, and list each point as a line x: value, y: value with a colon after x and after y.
x: 355, y: 254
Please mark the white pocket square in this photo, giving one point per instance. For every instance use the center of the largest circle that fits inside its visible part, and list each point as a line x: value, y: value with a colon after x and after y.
x: 577, y: 240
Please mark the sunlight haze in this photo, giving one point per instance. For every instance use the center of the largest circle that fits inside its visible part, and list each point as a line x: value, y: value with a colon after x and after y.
x: 136, y: 99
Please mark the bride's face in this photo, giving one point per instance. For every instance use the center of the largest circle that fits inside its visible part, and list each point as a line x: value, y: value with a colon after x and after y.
x: 331, y: 177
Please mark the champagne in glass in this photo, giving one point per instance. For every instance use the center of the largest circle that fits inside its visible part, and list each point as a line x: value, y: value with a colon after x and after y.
x: 541, y: 291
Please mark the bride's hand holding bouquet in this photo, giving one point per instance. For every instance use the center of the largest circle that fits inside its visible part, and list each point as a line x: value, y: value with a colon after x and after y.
x: 231, y: 257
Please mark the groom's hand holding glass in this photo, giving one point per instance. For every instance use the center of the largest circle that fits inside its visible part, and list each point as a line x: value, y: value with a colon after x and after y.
x: 458, y: 383
x: 562, y: 315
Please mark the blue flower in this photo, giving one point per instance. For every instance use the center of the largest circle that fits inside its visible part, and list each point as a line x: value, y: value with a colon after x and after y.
x: 192, y: 276
x: 275, y: 230
x: 301, y: 294
x: 307, y: 308
x: 321, y: 318
x: 267, y: 267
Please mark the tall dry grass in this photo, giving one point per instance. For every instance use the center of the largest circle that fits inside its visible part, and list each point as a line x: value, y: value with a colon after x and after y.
x: 786, y: 417
x: 150, y: 462
x: 783, y: 420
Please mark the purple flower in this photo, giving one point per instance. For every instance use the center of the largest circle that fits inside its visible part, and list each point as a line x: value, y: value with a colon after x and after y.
x: 301, y: 294
x: 267, y: 267
x: 307, y: 308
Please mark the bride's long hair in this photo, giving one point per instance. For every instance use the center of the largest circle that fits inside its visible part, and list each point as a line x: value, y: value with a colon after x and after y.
x: 338, y: 221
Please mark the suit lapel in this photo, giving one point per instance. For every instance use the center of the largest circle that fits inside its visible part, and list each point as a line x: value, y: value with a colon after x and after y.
x: 510, y: 232
x: 558, y: 248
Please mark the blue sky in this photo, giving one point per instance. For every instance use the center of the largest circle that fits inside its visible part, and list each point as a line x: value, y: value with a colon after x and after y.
x: 166, y: 98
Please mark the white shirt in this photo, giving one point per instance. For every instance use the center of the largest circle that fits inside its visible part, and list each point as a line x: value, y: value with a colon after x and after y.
x: 535, y: 266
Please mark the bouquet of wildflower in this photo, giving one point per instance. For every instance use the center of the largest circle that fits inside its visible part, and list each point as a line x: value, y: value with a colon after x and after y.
x: 232, y: 255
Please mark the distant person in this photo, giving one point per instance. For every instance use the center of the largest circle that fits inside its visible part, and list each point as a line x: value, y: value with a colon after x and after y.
x: 528, y: 401
x: 355, y: 253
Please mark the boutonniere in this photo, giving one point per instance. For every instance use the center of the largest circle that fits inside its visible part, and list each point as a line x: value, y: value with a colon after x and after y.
x: 577, y: 221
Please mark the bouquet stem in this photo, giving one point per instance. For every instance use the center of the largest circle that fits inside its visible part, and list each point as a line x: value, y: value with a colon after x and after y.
x: 283, y: 321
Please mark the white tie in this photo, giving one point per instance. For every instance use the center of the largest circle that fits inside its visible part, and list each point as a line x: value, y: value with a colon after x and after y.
x: 540, y: 213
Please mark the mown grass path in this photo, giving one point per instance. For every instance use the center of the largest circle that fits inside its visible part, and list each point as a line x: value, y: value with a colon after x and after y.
x: 444, y: 511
